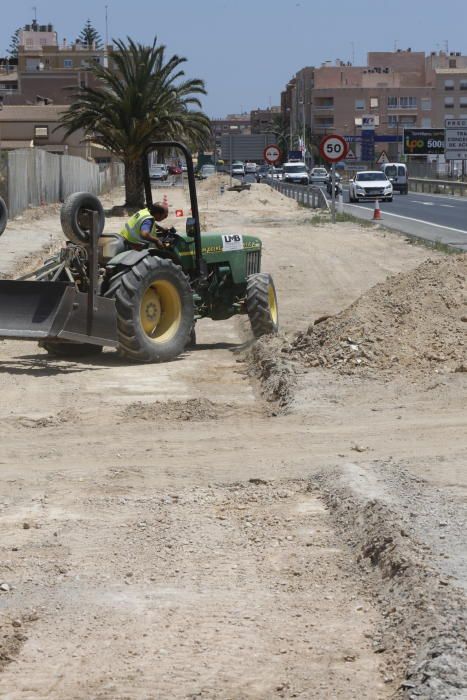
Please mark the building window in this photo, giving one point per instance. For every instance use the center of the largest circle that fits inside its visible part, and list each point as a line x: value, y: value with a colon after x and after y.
x: 374, y: 102
x: 67, y: 63
x: 41, y: 132
x: 392, y: 102
x: 463, y: 85
x: 408, y: 119
x: 408, y: 102
x: 359, y: 104
x: 425, y: 104
x: 452, y: 63
x: 449, y: 84
x: 392, y: 120
x: 463, y: 102
x: 449, y: 101
x: 426, y: 123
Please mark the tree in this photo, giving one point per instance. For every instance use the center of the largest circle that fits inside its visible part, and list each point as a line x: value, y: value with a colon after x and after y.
x: 282, y: 133
x: 14, y: 44
x: 140, y: 98
x: 90, y: 36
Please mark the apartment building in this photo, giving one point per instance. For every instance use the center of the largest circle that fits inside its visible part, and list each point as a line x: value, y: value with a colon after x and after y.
x: 38, y: 89
x: 46, y: 68
x: 394, y: 90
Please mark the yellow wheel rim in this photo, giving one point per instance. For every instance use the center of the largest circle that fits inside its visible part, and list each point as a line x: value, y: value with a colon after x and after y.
x: 272, y: 304
x: 161, y: 311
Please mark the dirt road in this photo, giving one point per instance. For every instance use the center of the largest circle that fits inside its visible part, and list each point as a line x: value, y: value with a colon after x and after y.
x: 167, y: 533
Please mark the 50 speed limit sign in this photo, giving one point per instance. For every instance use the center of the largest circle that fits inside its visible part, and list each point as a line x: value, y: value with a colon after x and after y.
x: 333, y: 148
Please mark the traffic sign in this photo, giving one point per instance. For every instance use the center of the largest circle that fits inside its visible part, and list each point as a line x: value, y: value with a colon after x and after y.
x: 350, y: 155
x: 382, y: 158
x: 455, y: 144
x: 333, y: 148
x: 272, y: 153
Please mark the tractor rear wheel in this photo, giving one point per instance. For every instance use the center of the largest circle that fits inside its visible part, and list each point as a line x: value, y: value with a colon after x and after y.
x: 61, y: 349
x: 155, y: 311
x: 261, y: 304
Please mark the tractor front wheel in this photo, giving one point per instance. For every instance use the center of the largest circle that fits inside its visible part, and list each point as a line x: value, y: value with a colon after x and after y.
x: 261, y: 304
x: 155, y: 311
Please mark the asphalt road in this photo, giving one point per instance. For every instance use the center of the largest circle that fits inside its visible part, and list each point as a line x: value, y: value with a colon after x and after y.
x: 438, y: 218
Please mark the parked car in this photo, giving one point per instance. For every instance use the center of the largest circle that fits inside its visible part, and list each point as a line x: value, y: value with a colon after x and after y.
x: 370, y: 184
x: 174, y: 170
x: 319, y: 176
x: 208, y: 170
x: 295, y: 172
x: 159, y: 172
x: 397, y: 173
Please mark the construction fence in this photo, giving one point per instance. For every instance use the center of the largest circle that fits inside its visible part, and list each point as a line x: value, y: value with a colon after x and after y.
x: 32, y: 177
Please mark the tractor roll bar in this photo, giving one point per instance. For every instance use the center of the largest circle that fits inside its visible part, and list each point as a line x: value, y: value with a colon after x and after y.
x: 200, y: 268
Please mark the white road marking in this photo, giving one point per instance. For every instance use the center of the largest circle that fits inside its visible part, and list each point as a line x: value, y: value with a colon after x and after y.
x: 411, y: 218
x: 448, y: 206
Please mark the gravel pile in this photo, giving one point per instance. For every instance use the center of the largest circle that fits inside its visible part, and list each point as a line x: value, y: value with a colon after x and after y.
x: 416, y: 320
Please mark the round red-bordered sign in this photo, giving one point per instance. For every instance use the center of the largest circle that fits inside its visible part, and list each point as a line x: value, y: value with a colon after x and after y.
x: 272, y: 153
x: 333, y: 148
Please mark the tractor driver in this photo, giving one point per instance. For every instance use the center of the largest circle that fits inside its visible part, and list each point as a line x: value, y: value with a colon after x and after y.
x: 143, y: 226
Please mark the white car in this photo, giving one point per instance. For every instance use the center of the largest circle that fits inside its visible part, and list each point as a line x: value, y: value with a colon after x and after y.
x: 295, y: 172
x: 238, y: 169
x: 159, y: 172
x: 370, y: 184
x: 250, y: 168
x: 277, y: 173
x: 319, y: 176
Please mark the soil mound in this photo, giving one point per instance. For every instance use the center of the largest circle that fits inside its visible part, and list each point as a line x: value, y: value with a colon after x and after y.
x: 416, y: 320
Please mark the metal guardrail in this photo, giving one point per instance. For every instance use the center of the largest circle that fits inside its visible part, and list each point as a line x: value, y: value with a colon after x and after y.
x: 310, y: 196
x: 421, y: 184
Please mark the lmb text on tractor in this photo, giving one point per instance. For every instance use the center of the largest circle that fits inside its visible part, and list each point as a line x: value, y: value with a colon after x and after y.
x: 99, y: 291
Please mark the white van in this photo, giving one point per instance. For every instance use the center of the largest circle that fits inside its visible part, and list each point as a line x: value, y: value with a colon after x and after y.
x: 296, y: 172
x: 397, y: 174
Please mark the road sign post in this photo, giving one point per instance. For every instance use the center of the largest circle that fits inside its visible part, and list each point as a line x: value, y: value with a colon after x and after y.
x: 272, y: 154
x: 333, y: 148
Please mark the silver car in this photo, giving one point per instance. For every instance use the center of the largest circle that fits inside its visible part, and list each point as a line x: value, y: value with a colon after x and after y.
x: 319, y: 176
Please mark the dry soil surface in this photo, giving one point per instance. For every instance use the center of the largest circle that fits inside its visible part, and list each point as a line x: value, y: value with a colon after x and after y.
x: 168, y: 533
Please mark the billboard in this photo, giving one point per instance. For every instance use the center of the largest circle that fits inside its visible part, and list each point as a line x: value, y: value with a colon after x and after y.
x: 423, y: 142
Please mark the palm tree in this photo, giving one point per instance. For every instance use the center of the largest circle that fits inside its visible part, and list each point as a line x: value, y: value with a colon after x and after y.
x: 140, y: 98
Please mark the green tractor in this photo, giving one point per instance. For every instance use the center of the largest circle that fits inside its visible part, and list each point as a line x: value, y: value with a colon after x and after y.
x: 98, y: 291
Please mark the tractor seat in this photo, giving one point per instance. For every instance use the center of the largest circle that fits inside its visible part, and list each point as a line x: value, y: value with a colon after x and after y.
x: 109, y: 245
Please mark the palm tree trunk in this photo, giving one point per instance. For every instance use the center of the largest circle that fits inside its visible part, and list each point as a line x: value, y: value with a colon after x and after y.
x: 134, y: 186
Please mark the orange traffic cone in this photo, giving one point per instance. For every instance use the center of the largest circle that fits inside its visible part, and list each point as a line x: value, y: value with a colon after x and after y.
x: 377, y: 212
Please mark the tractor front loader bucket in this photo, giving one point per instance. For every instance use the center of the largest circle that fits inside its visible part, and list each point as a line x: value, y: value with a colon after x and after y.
x: 55, y: 311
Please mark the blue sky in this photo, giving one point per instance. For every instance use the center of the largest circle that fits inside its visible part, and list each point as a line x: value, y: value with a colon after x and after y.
x: 246, y: 50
